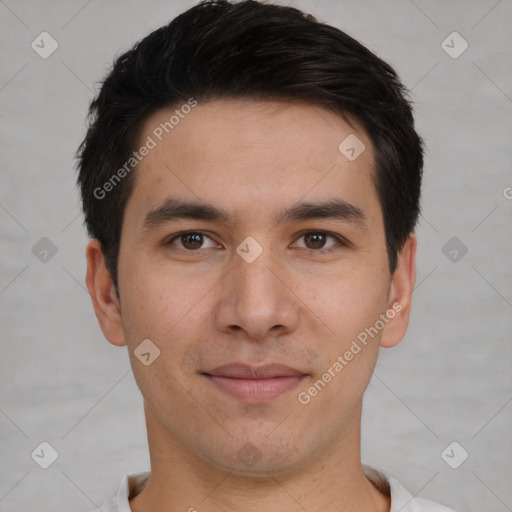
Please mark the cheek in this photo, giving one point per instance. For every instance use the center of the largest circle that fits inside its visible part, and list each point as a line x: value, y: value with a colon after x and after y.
x: 166, y: 311
x: 345, y: 303
x: 157, y: 300
x: 347, y: 309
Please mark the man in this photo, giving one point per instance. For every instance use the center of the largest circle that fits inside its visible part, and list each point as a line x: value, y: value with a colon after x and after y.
x: 251, y: 182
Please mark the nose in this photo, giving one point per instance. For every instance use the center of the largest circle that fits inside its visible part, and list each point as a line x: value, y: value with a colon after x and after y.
x: 257, y: 301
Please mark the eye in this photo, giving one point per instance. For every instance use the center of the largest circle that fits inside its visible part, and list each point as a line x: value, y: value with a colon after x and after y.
x: 316, y: 240
x: 190, y: 240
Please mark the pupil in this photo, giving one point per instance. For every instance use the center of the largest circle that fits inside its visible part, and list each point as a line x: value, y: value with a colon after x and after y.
x: 317, y: 239
x: 194, y: 239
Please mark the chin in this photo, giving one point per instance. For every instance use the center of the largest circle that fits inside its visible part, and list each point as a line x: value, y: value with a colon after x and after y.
x: 259, y: 456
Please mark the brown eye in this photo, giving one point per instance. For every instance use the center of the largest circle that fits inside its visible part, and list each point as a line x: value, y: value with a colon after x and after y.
x: 315, y: 240
x: 190, y: 241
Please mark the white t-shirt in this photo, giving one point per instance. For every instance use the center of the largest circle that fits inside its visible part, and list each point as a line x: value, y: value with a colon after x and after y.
x: 401, y: 500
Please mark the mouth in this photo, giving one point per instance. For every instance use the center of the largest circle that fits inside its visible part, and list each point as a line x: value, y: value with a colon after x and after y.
x: 255, y: 384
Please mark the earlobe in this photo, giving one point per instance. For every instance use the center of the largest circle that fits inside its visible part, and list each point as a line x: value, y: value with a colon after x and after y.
x: 400, y: 296
x: 101, y: 289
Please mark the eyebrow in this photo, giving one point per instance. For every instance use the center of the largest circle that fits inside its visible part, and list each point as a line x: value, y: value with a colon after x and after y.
x: 174, y: 209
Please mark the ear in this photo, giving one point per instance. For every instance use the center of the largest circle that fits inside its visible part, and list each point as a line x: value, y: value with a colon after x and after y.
x: 101, y: 288
x: 400, y: 295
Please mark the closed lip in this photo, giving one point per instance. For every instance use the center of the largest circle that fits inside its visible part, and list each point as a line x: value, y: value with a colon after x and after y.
x: 246, y: 371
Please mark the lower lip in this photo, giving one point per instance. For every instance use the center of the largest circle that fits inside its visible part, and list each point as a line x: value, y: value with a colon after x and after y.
x: 256, y: 389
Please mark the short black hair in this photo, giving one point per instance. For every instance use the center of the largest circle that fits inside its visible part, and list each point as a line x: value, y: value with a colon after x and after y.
x: 218, y: 50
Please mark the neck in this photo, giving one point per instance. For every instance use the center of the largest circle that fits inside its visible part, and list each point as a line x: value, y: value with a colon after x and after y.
x: 181, y: 481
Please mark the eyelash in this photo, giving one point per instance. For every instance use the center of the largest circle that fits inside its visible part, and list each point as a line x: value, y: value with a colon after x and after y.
x: 341, y: 241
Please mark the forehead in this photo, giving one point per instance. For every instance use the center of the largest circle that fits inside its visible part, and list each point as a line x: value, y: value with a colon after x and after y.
x: 253, y: 155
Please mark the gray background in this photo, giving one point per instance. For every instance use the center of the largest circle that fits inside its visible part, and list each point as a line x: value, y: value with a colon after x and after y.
x: 449, y: 380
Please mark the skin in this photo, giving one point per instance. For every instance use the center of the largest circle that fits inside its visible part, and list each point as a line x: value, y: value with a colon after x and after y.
x: 293, y: 305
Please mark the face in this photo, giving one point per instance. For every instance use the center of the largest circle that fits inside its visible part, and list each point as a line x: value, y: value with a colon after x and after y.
x: 250, y: 239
